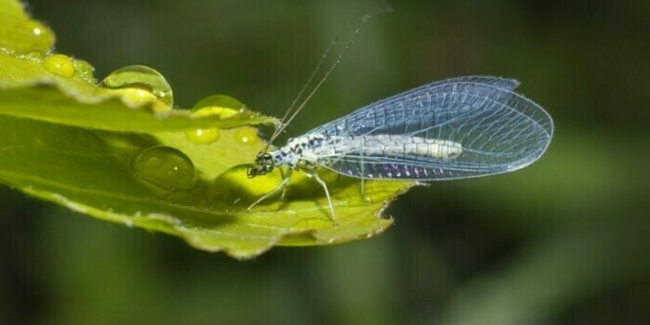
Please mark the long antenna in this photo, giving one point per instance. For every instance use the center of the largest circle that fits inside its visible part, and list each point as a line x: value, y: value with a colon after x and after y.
x: 311, y: 77
x: 383, y: 7
x: 302, y: 91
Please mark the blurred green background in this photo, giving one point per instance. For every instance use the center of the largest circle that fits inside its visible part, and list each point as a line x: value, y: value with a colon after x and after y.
x: 562, y: 242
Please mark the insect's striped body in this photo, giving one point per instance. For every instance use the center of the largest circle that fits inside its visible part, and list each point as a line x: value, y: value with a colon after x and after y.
x: 309, y: 151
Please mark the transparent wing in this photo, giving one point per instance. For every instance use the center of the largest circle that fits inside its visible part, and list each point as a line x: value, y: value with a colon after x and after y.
x: 497, y: 130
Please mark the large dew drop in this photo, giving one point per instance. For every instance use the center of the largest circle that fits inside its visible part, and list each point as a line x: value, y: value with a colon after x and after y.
x: 165, y: 168
x: 139, y: 84
x: 60, y: 65
x: 220, y: 105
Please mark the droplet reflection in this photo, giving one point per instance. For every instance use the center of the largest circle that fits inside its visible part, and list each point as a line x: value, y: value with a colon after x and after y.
x: 165, y: 168
x: 138, y: 83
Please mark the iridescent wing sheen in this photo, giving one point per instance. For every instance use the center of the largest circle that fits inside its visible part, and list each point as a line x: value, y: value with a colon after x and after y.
x: 499, y: 131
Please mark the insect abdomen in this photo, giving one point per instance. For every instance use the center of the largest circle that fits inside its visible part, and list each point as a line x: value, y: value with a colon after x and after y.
x: 406, y: 145
x: 390, y: 145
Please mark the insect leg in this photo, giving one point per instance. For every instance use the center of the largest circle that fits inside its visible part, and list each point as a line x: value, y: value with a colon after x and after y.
x: 284, y: 190
x: 329, y: 199
x: 280, y: 186
x: 363, y: 189
x: 363, y: 181
x: 363, y: 186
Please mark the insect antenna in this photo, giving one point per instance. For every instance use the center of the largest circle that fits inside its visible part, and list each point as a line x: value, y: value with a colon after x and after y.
x: 302, y: 91
x: 383, y: 7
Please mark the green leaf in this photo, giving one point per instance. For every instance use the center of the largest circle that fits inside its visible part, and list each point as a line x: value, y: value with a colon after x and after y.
x: 95, y: 172
x: 28, y: 89
x: 118, y: 151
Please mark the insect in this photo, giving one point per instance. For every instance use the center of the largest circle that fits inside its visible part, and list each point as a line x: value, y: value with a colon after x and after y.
x: 452, y: 129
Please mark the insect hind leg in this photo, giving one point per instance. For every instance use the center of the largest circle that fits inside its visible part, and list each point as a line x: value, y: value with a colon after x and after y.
x: 329, y: 199
x: 363, y: 182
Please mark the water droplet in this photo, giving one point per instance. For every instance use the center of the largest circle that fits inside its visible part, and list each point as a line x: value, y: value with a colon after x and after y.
x: 247, y: 135
x: 203, y: 136
x: 219, y: 101
x: 222, y: 112
x: 165, y: 168
x: 38, y: 37
x: 85, y: 70
x: 59, y: 64
x: 220, y: 105
x: 138, y: 83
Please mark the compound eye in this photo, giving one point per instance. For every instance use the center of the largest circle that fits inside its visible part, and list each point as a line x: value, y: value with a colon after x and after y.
x: 268, y: 168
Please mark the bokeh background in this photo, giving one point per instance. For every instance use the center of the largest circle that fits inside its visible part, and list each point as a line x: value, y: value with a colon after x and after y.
x: 562, y: 242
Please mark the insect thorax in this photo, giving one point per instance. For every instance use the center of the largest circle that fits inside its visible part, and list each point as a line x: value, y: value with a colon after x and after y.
x: 298, y: 153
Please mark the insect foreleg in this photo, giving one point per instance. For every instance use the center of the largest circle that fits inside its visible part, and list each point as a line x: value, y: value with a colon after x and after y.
x: 284, y: 190
x: 280, y: 186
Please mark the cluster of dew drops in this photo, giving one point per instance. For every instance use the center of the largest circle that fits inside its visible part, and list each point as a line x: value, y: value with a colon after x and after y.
x: 162, y: 167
